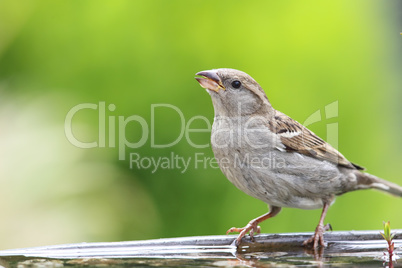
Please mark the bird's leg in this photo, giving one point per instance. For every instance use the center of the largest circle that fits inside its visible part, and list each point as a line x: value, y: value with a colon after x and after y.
x: 318, y: 236
x: 252, y: 226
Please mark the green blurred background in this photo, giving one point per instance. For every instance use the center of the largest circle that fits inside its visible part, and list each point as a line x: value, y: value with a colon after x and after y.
x: 55, y: 55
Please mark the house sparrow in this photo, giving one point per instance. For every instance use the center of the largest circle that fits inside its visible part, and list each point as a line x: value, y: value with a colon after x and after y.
x: 272, y: 157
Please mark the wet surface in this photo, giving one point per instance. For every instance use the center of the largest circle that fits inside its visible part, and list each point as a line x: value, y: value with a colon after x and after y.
x: 346, y: 249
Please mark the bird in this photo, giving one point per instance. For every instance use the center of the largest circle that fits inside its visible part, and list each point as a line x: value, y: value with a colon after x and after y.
x: 272, y: 157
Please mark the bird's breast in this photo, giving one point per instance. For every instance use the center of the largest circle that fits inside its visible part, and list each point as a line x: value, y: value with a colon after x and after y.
x: 250, y: 159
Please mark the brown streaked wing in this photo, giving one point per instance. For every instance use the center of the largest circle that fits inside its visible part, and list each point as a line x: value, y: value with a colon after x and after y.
x: 298, y: 138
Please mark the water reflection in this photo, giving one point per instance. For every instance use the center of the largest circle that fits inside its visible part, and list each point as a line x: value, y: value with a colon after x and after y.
x: 344, y: 248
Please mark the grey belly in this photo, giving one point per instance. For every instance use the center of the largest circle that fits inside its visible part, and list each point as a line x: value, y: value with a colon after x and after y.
x: 282, y: 179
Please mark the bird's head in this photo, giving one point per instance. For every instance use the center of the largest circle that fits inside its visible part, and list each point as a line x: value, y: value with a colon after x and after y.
x: 233, y: 92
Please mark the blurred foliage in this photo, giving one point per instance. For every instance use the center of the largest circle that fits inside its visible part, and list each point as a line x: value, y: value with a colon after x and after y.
x: 133, y: 54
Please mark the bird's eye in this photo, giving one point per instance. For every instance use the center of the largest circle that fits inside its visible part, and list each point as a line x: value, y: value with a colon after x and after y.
x: 236, y: 84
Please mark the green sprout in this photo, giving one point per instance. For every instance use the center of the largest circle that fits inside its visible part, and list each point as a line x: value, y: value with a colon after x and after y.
x: 388, y: 237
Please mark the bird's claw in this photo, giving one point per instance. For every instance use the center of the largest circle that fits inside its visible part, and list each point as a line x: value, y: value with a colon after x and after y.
x: 251, y: 228
x: 318, y: 236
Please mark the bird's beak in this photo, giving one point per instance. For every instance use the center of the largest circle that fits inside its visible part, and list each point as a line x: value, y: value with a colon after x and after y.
x: 210, y: 80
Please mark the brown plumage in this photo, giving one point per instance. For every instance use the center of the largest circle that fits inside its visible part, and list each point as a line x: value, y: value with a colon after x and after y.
x: 298, y: 138
x: 301, y: 170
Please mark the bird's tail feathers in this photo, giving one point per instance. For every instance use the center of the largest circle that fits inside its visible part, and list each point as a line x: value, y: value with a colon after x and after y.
x: 366, y: 180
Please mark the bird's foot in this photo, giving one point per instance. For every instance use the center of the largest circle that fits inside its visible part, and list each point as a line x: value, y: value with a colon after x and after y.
x: 252, y: 227
x: 318, y: 236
